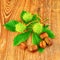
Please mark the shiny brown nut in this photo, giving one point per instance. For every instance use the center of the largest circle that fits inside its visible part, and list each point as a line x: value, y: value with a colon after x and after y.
x: 43, y: 35
x: 33, y: 48
x: 48, y: 41
x: 42, y: 44
x: 23, y: 45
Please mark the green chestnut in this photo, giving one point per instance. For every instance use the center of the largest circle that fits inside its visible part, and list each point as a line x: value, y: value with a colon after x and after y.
x: 27, y: 17
x: 20, y: 27
x: 37, y: 28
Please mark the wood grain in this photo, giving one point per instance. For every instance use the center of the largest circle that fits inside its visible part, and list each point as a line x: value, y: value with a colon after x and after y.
x: 11, y: 9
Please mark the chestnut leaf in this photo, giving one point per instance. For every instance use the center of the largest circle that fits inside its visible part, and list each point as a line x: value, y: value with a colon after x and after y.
x: 36, y: 17
x: 41, y: 50
x: 21, y: 38
x: 49, y: 32
x: 35, y: 39
x: 10, y: 25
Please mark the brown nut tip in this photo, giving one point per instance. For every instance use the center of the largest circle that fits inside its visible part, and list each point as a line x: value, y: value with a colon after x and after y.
x: 42, y: 44
x: 23, y: 45
x: 33, y: 48
x: 43, y: 35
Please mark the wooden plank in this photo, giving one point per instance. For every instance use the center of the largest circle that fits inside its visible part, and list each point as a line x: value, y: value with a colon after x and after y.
x: 11, y: 9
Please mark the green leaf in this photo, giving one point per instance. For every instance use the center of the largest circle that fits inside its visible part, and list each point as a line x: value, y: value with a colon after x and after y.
x: 35, y: 39
x: 36, y: 17
x: 49, y: 32
x: 41, y: 50
x: 21, y: 38
x: 46, y: 26
x: 10, y: 25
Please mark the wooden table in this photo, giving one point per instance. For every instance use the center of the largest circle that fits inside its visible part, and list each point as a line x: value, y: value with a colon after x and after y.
x: 11, y: 9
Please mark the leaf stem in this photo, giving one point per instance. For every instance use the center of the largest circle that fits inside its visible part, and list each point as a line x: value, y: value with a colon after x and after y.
x: 32, y: 22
